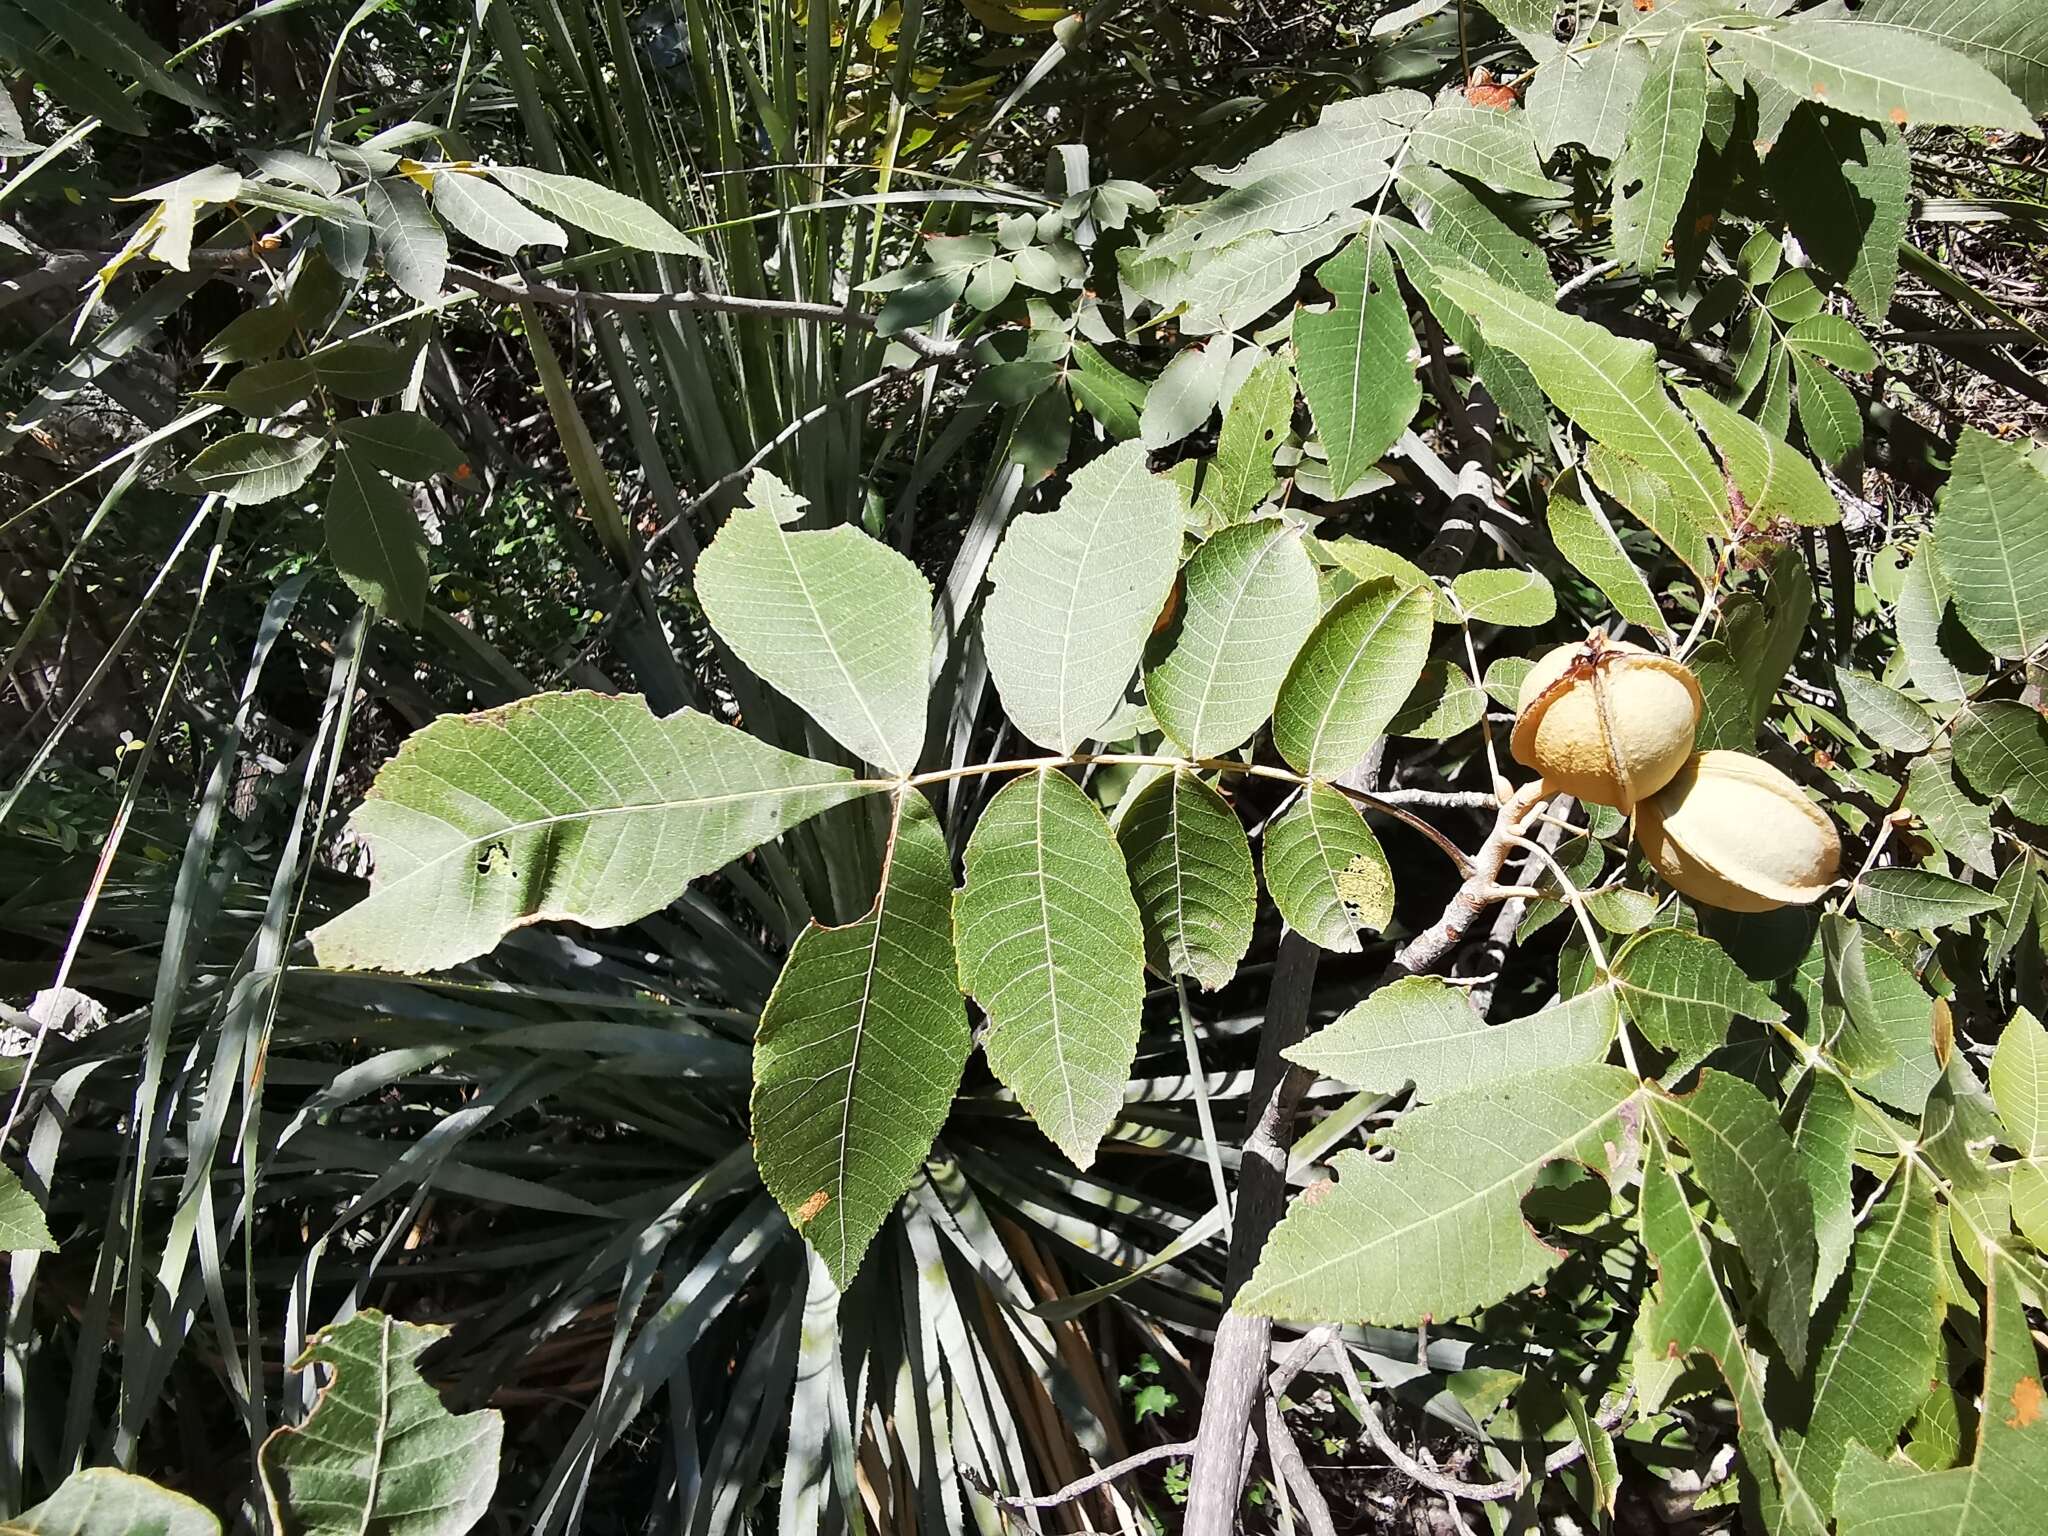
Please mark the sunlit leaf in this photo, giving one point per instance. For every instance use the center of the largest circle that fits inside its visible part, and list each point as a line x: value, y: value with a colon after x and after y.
x: 573, y: 806
x: 1654, y: 170
x: 598, y: 209
x: 1191, y: 871
x: 860, y: 1049
x: 1991, y: 537
x: 1882, y: 73
x: 1352, y: 676
x: 1357, y: 362
x: 1051, y: 947
x: 1326, y: 871
x: 104, y: 1501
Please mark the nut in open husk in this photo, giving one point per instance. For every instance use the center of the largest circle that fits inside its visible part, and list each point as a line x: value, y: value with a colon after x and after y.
x: 1606, y: 721
x: 1732, y: 831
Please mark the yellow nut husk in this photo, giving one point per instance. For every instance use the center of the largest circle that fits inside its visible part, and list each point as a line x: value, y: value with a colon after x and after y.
x: 1732, y: 831
x: 1606, y: 721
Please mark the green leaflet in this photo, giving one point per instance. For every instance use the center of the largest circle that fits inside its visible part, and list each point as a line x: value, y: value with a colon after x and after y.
x: 1357, y: 362
x: 248, y: 468
x: 379, y: 1451
x: 1825, y: 1141
x: 1775, y: 481
x: 1960, y: 824
x: 363, y: 367
x: 1051, y: 947
x: 589, y: 206
x: 2019, y: 1089
x: 1881, y: 73
x: 1326, y: 872
x: 860, y: 1049
x: 2010, y: 39
x: 1999, y: 1492
x: 1883, y: 713
x: 23, y: 1228
x: 1683, y: 991
x: 1256, y: 422
x: 1296, y: 197
x: 1228, y: 289
x: 576, y: 806
x: 1423, y: 1031
x: 1843, y: 184
x: 491, y: 216
x: 1250, y: 602
x: 1423, y: 257
x: 1587, y: 539
x: 409, y: 239
x: 1654, y: 170
x: 1505, y: 596
x: 1496, y: 149
x: 1348, y: 132
x: 1438, y: 1231
x: 1744, y: 1161
x: 1918, y: 616
x: 1827, y: 414
x: 375, y: 540
x: 1610, y: 387
x: 404, y: 444
x: 1991, y: 539
x: 103, y: 1501
x: 839, y: 623
x: 1464, y: 225
x: 1886, y: 1042
x: 1878, y: 1355
x: 1191, y: 871
x: 1075, y: 593
x: 1918, y: 898
x: 1587, y: 97
x: 1349, y: 680
x: 1184, y: 395
x: 1689, y: 1313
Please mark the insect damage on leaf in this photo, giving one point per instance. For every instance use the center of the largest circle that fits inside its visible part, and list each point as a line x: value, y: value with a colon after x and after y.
x: 2027, y: 1399
x: 812, y: 1208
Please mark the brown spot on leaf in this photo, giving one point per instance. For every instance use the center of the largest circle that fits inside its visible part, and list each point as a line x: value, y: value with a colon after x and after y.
x: 2027, y: 1400
x: 1820, y: 88
x: 1317, y: 1192
x: 808, y: 1211
x: 1944, y: 1035
x: 1898, y: 115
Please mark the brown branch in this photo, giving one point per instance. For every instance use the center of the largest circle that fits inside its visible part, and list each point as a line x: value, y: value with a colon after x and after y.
x: 1082, y: 1485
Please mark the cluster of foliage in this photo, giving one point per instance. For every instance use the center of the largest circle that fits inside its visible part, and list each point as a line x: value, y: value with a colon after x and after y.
x: 1294, y: 465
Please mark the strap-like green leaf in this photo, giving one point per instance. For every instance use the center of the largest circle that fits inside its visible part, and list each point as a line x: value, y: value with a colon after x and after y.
x: 860, y: 1049
x: 375, y: 540
x: 1438, y: 1232
x: 836, y: 621
x: 1191, y: 871
x: 1357, y: 362
x: 1351, y: 677
x: 1881, y: 73
x: 572, y: 806
x: 1654, y: 170
x: 1051, y: 947
x: 1991, y: 537
x: 1075, y: 593
x: 1424, y: 1032
x: 1250, y: 602
x: 1326, y: 871
x: 379, y: 1452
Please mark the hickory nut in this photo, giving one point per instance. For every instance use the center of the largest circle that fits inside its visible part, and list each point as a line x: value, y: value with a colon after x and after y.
x: 1606, y: 721
x: 1732, y: 831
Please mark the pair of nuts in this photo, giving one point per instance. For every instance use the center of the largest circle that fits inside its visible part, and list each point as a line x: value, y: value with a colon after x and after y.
x: 1613, y: 724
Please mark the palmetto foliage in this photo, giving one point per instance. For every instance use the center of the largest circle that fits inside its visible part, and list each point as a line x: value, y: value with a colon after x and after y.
x: 885, y: 534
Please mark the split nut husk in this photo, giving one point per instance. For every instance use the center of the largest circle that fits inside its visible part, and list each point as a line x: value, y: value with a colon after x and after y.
x: 1732, y: 831
x: 1606, y: 721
